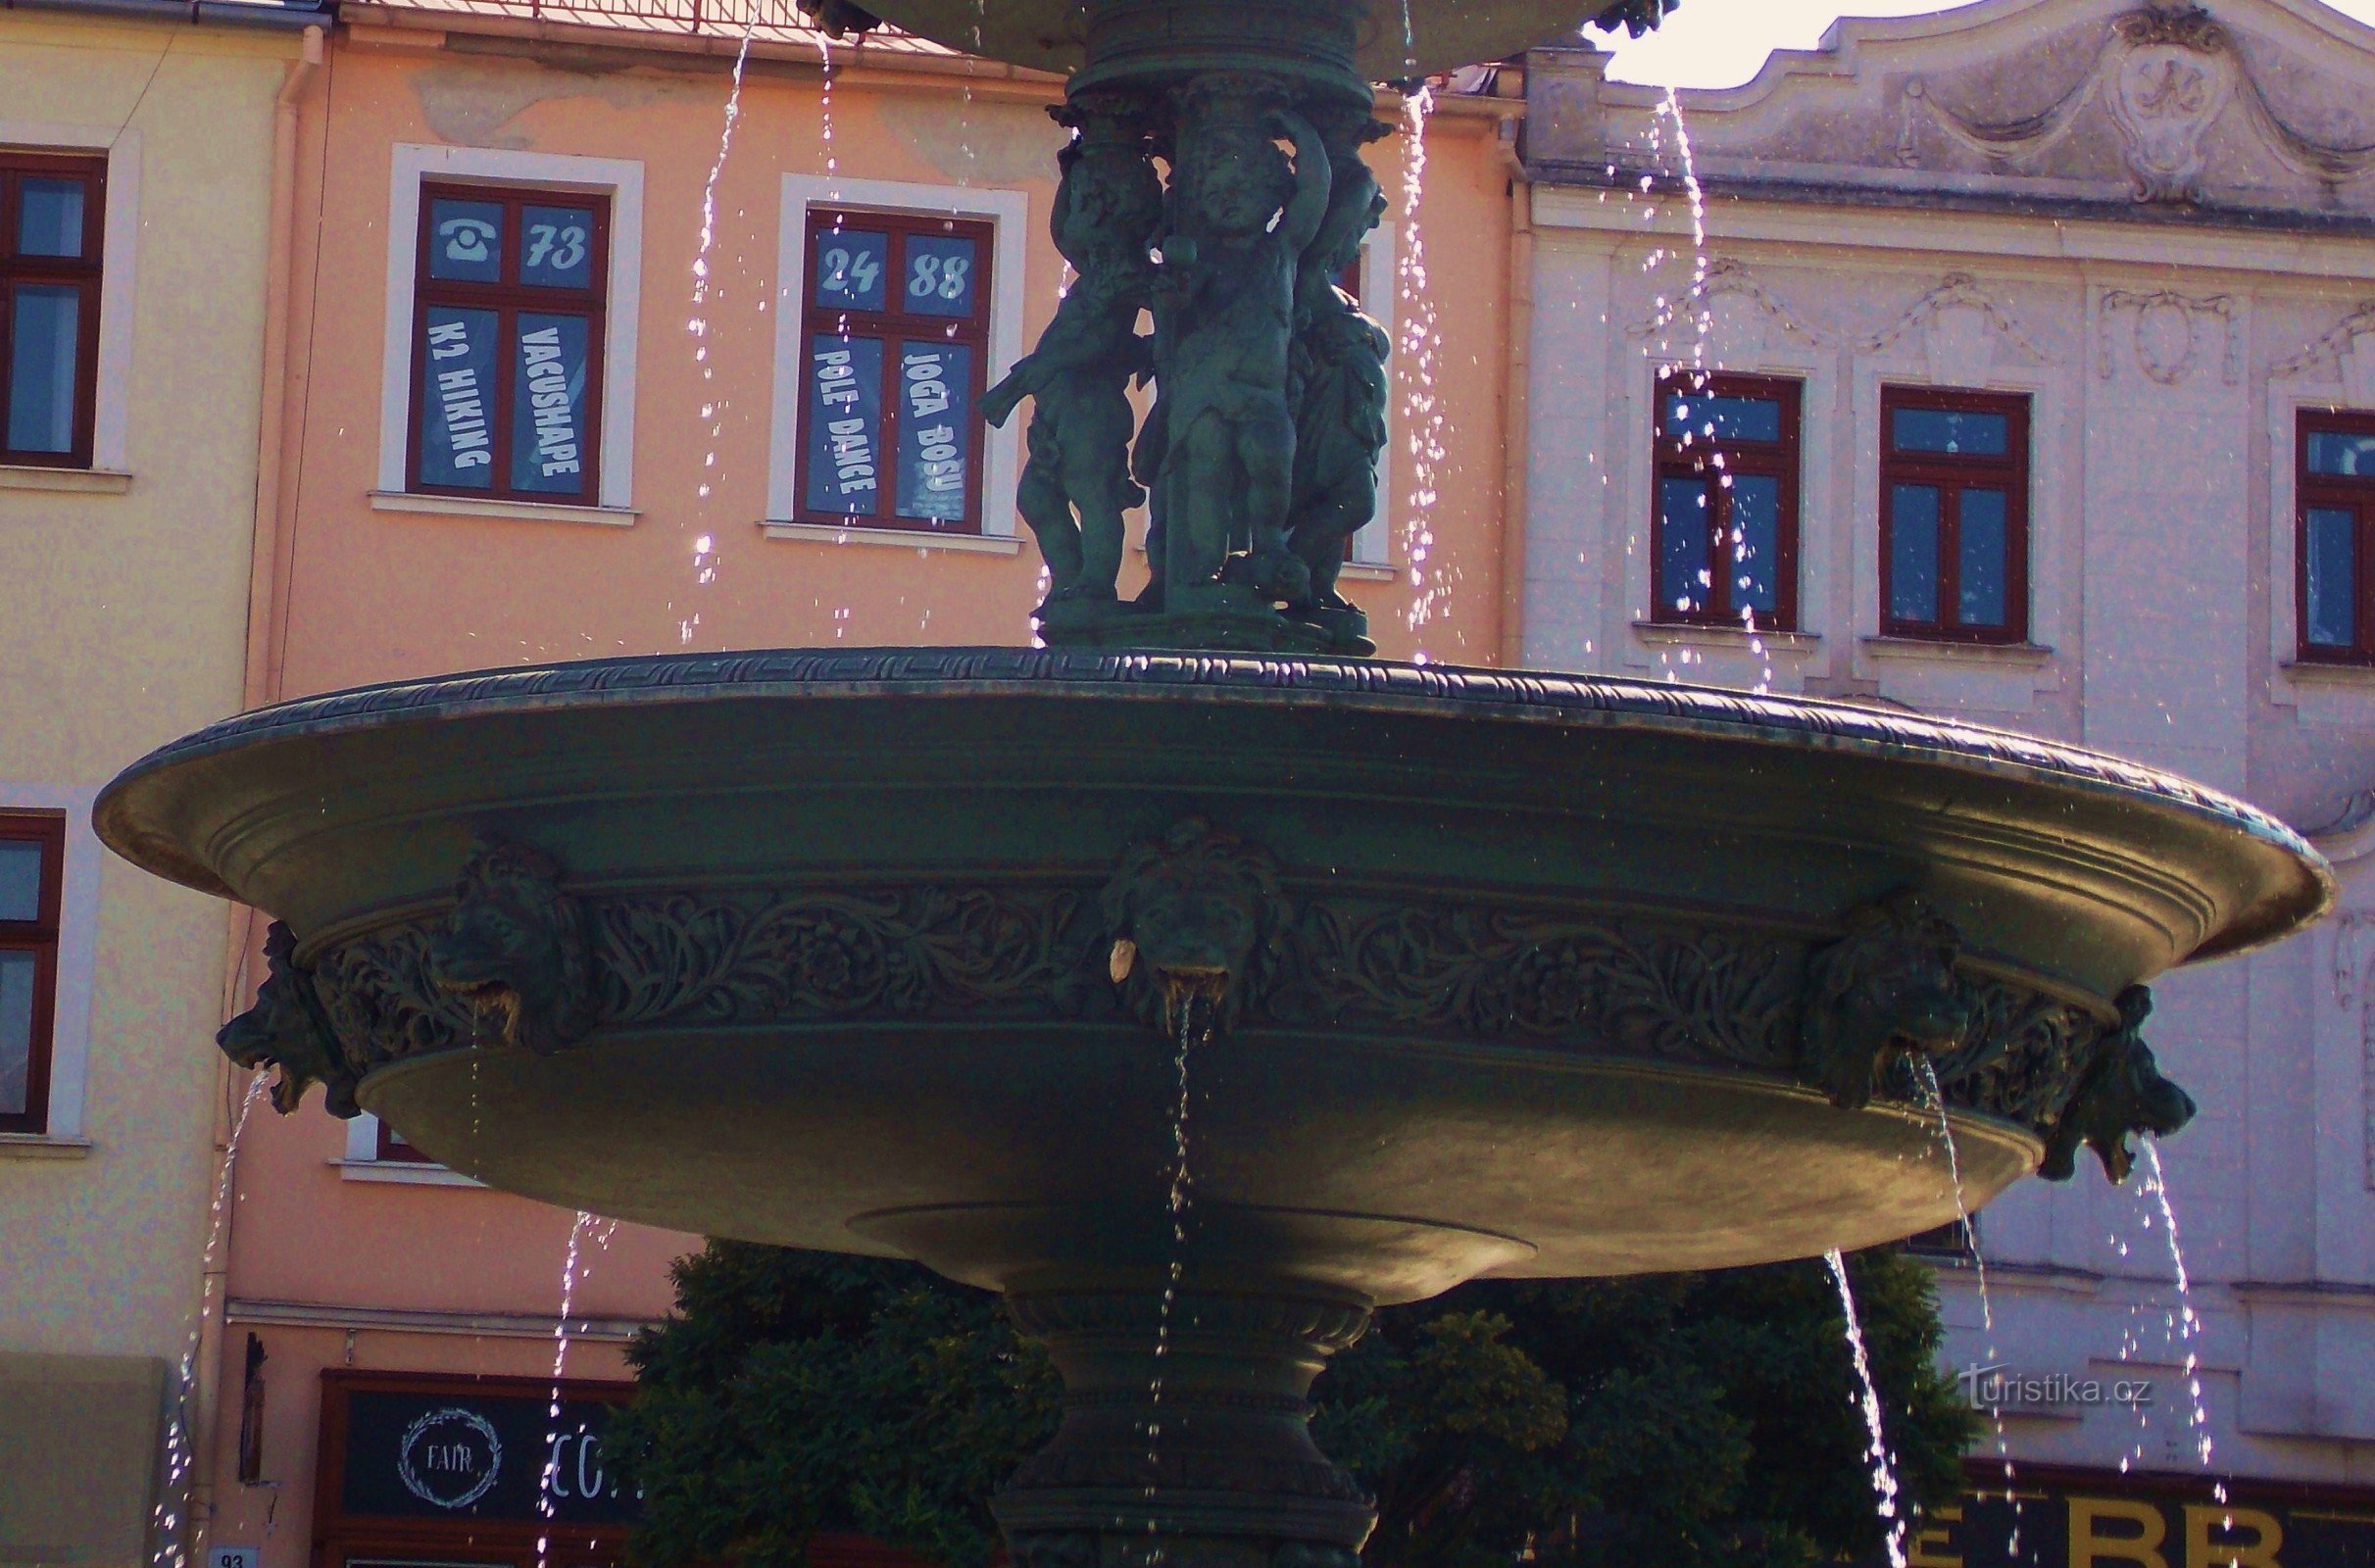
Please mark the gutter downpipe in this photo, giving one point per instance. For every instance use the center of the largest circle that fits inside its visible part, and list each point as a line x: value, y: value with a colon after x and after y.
x: 1515, y: 402
x: 260, y: 685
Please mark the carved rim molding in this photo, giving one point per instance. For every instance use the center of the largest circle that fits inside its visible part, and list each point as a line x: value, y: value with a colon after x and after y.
x: 1376, y: 685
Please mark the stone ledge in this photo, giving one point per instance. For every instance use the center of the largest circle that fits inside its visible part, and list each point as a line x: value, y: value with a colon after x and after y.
x: 404, y: 1173
x: 41, y: 1146
x: 2318, y: 672
x: 981, y: 543
x: 501, y: 511
x: 2022, y: 655
x: 70, y: 481
x: 427, y: 1320
x: 1731, y: 639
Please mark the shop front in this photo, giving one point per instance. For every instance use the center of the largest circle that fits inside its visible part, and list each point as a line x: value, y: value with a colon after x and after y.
x: 2073, y: 1518
x: 468, y: 1472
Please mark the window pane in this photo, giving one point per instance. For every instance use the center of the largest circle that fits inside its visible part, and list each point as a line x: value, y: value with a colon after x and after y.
x: 1958, y: 432
x: 548, y: 405
x: 1914, y: 552
x: 935, y: 428
x: 851, y: 268
x: 20, y: 880
x: 1754, y: 547
x: 49, y: 216
x: 17, y: 973
x: 465, y: 240
x: 1706, y: 416
x: 1982, y: 562
x: 2350, y: 452
x: 2332, y: 566
x: 47, y: 323
x: 457, y: 396
x: 940, y: 274
x: 844, y: 424
x: 1682, y: 551
x: 556, y: 247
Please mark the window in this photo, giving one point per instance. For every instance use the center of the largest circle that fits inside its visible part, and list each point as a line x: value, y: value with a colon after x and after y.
x: 52, y: 216
x: 1954, y: 516
x: 32, y: 856
x: 508, y: 333
x: 1723, y: 525
x: 390, y: 1144
x: 2335, y: 480
x: 894, y: 348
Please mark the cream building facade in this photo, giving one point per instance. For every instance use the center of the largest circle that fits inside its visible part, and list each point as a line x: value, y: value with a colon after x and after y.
x: 137, y: 199
x: 2041, y: 336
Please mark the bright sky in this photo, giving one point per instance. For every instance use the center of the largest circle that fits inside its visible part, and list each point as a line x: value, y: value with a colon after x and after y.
x: 1722, y: 43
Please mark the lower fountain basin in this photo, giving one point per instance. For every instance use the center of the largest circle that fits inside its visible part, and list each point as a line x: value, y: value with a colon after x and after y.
x: 1514, y: 974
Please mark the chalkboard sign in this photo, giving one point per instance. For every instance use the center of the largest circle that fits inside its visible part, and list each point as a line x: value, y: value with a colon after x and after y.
x: 459, y: 1452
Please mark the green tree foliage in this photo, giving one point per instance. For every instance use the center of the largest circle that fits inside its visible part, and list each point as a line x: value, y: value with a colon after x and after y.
x: 1692, y: 1421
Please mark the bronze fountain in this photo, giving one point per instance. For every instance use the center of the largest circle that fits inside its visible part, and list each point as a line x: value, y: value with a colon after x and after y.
x: 1468, y: 972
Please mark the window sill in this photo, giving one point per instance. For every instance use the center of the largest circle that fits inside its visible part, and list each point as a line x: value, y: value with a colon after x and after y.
x: 70, y: 481
x: 2318, y: 672
x: 42, y: 1146
x: 979, y: 544
x: 1726, y: 637
x: 403, y: 1173
x: 2024, y: 655
x: 501, y: 511
x: 1368, y: 572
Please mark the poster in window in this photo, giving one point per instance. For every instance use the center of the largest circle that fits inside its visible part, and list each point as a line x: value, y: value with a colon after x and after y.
x: 556, y: 247
x: 935, y: 428
x: 844, y: 413
x: 458, y: 396
x: 941, y: 269
x: 548, y: 405
x: 464, y: 240
x: 853, y: 267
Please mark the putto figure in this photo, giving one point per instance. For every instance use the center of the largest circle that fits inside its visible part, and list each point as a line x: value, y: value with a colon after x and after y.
x: 1242, y: 216
x: 1338, y: 388
x: 1076, y: 485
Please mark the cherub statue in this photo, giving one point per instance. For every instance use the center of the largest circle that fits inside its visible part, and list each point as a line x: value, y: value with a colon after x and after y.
x: 1075, y: 485
x: 1242, y: 218
x: 1337, y: 384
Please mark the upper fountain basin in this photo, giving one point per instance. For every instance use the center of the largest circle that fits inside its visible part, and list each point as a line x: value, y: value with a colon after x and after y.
x: 1523, y: 973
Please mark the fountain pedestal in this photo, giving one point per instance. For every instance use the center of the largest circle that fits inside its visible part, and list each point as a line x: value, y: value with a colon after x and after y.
x: 1185, y: 1433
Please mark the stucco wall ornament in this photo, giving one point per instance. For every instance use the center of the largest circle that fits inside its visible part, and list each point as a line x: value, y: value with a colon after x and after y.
x: 2350, y: 347
x: 1739, y: 313
x: 2164, y: 332
x: 2164, y: 77
x: 1959, y: 324
x: 2353, y: 949
x: 2122, y: 1092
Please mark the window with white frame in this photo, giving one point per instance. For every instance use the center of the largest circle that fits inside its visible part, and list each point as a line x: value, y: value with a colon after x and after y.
x: 510, y: 358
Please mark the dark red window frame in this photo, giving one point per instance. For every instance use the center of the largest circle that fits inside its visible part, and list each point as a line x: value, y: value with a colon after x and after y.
x: 83, y: 273
x: 39, y: 937
x: 1953, y: 473
x: 1711, y: 459
x: 890, y: 325
x: 506, y: 298
x: 2340, y: 491
x: 389, y: 1147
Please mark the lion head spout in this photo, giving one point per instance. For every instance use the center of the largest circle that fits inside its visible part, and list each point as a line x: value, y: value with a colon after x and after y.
x: 1200, y: 907
x: 1886, y: 987
x: 2121, y: 1091
x: 287, y: 1028
x: 516, y: 947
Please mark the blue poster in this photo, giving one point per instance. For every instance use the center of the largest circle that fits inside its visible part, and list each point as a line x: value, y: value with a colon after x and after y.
x: 844, y: 413
x: 465, y: 240
x: 935, y: 428
x: 940, y: 272
x: 851, y: 268
x: 458, y: 396
x: 550, y: 444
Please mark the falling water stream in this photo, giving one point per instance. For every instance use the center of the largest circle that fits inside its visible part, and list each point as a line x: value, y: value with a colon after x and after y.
x: 179, y: 1451
x: 1884, y: 1470
x: 2187, y: 1327
x: 579, y: 1227
x: 713, y: 406
x: 1178, y: 1200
